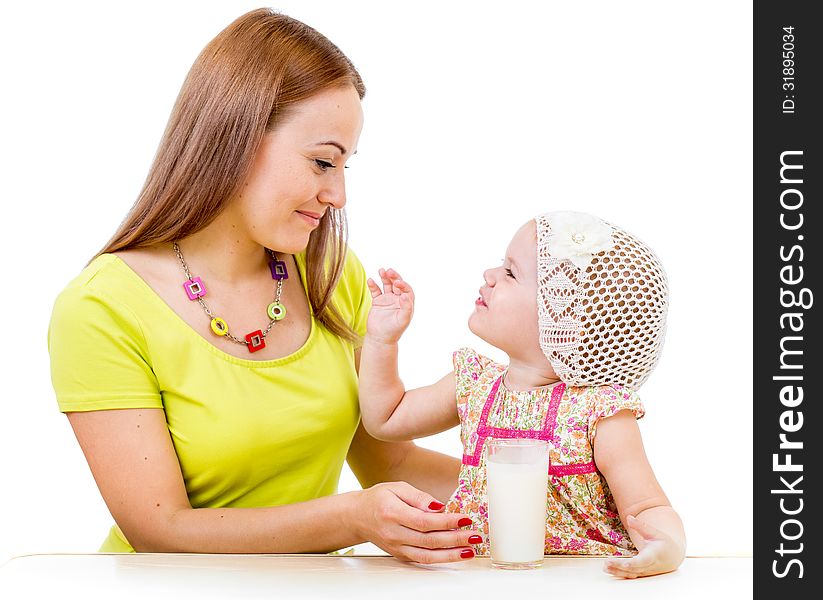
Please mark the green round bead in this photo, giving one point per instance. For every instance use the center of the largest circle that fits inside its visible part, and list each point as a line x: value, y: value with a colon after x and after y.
x: 276, y: 311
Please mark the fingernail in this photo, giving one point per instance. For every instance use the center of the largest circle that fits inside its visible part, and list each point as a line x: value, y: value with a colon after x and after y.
x: 464, y: 522
x: 467, y: 553
x: 436, y: 505
x: 475, y: 539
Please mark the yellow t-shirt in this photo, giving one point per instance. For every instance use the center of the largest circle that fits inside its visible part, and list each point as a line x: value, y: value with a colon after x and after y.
x: 247, y: 433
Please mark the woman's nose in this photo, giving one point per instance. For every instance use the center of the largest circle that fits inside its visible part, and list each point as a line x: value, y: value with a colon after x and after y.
x: 334, y: 193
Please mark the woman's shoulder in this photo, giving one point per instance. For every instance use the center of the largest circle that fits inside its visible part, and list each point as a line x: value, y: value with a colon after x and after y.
x: 105, y: 284
x: 352, y: 275
x: 351, y: 290
x: 350, y: 297
x: 353, y: 271
x: 100, y: 276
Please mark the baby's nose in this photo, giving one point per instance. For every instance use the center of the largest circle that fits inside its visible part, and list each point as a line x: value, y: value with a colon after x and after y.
x: 488, y: 276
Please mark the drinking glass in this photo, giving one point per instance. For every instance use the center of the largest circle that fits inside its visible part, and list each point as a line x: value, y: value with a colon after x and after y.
x: 517, y: 477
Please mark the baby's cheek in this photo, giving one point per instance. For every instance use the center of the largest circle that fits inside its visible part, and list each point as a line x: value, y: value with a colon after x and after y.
x: 523, y: 323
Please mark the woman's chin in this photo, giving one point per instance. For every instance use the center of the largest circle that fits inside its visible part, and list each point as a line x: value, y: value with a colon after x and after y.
x: 295, y: 245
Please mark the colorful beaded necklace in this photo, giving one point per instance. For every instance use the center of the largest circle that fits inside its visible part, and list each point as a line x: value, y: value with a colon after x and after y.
x: 254, y: 341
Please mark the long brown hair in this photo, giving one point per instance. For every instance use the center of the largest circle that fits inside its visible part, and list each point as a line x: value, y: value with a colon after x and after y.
x: 243, y: 83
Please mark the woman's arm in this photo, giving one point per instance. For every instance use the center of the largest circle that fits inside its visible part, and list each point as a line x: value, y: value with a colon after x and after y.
x: 136, y: 469
x: 654, y: 526
x: 133, y: 461
x: 390, y: 412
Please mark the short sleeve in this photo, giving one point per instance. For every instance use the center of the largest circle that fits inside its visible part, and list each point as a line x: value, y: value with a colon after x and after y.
x: 351, y: 297
x: 361, y: 297
x: 468, y: 365
x: 606, y: 401
x: 98, y: 353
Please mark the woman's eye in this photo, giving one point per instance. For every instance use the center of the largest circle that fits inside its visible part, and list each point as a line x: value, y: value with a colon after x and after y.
x: 323, y: 164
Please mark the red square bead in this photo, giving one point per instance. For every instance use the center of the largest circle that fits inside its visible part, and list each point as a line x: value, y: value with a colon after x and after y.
x: 255, y: 341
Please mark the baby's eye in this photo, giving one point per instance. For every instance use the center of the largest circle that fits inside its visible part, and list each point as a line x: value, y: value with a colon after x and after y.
x: 509, y: 273
x: 323, y: 164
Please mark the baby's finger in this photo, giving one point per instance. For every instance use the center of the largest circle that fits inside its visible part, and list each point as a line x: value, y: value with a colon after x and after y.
x: 637, y: 566
x: 388, y: 283
x: 618, y: 569
x: 618, y: 572
x: 396, y: 281
x: 374, y: 289
x: 404, y: 288
x: 403, y: 285
x: 411, y: 292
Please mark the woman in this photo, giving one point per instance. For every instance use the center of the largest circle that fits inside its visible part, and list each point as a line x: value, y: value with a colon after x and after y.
x: 207, y: 357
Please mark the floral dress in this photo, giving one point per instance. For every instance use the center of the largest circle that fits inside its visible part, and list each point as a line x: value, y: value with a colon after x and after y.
x: 582, y: 515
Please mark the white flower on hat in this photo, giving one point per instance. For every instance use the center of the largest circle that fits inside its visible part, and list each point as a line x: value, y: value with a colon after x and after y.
x: 578, y: 237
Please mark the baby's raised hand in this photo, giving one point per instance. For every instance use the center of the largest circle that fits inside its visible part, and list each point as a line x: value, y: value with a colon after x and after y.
x: 392, y: 307
x: 657, y: 552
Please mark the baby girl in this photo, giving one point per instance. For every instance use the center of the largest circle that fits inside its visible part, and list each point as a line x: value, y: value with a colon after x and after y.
x: 579, y: 307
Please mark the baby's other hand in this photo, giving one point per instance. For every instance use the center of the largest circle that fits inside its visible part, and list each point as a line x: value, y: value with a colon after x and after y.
x: 657, y: 552
x: 392, y: 307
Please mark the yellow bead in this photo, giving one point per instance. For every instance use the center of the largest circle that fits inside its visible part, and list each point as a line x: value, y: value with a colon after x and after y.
x: 219, y: 326
x: 276, y: 311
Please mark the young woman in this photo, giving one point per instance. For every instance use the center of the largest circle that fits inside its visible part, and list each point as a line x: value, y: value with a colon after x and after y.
x: 207, y: 358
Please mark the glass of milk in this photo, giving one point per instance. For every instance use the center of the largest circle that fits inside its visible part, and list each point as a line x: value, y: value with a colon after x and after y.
x: 517, y: 472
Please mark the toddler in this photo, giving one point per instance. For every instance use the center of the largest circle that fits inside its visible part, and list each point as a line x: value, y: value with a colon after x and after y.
x: 579, y: 307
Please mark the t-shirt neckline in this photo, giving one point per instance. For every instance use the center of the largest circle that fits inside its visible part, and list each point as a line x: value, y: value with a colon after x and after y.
x: 246, y: 362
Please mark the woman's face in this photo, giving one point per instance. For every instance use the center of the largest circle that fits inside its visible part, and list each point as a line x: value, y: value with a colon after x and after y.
x: 297, y: 174
x: 505, y: 314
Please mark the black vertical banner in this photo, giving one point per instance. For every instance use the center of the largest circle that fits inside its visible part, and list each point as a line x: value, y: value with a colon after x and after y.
x: 788, y: 169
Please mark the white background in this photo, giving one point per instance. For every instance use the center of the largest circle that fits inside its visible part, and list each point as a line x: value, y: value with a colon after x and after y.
x: 478, y: 116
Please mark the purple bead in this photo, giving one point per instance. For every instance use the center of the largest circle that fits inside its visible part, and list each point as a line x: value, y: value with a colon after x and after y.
x: 194, y: 288
x: 278, y: 269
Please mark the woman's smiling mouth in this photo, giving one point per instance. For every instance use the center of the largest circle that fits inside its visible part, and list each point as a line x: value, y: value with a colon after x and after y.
x: 310, y: 217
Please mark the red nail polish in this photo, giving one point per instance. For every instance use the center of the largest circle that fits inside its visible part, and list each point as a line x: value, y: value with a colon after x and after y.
x: 436, y: 505
x: 464, y: 522
x: 467, y: 553
x: 475, y: 539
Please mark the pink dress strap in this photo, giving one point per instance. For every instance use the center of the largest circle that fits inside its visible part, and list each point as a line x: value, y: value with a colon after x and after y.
x: 547, y: 433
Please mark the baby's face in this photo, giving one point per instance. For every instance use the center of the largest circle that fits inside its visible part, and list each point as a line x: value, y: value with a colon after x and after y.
x: 505, y: 314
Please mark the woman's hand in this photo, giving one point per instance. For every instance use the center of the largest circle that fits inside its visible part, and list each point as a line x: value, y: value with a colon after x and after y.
x: 392, y: 307
x: 409, y: 524
x: 657, y: 552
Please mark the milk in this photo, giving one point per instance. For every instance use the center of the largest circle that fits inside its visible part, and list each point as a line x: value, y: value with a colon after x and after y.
x: 517, y: 505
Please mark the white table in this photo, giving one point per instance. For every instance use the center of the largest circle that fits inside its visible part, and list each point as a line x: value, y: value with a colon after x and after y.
x: 226, y: 576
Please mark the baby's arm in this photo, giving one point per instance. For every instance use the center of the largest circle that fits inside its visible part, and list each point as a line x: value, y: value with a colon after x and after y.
x: 390, y: 412
x: 654, y: 526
